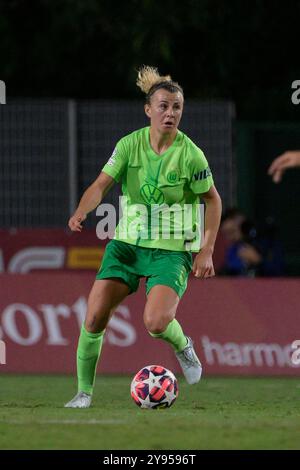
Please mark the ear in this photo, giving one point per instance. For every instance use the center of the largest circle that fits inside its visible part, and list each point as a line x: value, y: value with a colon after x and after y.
x: 147, y: 109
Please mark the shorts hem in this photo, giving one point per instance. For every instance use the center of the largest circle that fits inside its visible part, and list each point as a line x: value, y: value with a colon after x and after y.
x: 178, y: 291
x: 119, y: 275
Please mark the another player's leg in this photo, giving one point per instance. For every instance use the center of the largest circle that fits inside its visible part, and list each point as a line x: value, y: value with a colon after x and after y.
x: 105, y: 296
x: 160, y: 321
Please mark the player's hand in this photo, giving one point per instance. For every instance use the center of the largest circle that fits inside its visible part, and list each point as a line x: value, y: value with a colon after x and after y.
x: 283, y: 162
x: 249, y: 254
x: 75, y: 222
x: 203, y: 267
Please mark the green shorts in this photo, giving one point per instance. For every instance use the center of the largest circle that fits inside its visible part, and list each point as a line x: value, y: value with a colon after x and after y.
x: 131, y: 262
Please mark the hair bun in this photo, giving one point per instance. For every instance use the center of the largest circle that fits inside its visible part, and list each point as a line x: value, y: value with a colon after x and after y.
x: 149, y: 76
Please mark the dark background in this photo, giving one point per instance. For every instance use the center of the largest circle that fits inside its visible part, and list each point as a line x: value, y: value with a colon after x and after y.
x: 246, y: 52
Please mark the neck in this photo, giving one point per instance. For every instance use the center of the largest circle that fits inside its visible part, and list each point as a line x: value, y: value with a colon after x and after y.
x: 161, y: 142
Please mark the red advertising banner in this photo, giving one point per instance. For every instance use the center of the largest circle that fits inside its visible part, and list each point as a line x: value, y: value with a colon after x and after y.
x: 26, y: 250
x: 239, y: 326
x: 36, y: 250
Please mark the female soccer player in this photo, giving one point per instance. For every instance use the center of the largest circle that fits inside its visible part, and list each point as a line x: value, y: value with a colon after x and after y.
x: 160, y: 169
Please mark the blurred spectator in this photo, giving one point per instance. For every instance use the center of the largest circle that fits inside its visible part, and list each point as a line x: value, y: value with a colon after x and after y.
x: 271, y: 250
x: 248, y: 254
x: 241, y: 258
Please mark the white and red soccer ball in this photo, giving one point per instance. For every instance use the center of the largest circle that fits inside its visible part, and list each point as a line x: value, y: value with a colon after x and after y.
x: 154, y: 387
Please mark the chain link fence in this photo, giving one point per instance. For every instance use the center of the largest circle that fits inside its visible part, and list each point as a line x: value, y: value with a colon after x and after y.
x: 51, y: 151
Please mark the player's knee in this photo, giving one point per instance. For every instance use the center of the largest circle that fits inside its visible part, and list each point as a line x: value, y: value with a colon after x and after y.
x: 155, y: 325
x: 94, y: 324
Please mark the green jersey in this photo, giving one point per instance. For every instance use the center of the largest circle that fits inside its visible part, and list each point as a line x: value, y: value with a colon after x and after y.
x: 160, y: 203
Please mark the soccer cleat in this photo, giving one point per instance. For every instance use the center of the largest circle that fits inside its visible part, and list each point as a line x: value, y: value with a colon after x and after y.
x: 81, y: 400
x: 189, y: 362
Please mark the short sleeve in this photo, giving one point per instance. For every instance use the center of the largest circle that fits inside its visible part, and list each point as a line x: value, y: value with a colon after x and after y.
x: 117, y: 163
x: 201, y: 179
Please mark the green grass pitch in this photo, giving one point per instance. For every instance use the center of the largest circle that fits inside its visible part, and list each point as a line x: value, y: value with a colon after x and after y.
x: 217, y: 413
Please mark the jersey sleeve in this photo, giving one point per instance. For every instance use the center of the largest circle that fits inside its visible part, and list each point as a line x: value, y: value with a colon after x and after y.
x: 117, y: 163
x: 201, y: 179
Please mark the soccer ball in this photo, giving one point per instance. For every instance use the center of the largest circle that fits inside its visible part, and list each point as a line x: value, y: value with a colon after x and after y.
x: 154, y: 387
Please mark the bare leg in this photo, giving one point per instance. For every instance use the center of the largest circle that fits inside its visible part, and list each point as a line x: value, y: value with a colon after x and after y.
x: 105, y: 296
x: 159, y: 319
x: 160, y: 308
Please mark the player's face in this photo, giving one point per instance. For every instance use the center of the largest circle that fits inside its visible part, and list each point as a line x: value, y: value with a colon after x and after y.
x: 231, y: 228
x: 165, y: 110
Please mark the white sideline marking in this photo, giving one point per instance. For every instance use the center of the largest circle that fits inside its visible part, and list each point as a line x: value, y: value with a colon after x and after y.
x: 65, y: 421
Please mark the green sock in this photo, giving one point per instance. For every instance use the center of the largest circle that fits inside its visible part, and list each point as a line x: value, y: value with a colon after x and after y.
x: 174, y: 335
x: 88, y: 352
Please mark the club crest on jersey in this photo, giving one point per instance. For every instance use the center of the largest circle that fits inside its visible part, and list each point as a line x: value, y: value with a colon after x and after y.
x: 112, y: 159
x: 151, y: 194
x: 173, y: 176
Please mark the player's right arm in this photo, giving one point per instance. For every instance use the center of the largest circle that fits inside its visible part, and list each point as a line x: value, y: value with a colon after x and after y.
x: 91, y: 198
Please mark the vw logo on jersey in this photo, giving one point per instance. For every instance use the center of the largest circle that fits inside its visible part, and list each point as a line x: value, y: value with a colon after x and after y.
x: 151, y: 194
x: 173, y: 176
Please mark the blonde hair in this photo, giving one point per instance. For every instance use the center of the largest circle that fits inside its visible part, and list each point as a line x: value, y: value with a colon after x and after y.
x: 149, y: 80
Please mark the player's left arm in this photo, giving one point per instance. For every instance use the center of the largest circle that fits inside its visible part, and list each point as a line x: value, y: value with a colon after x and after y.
x: 203, y: 263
